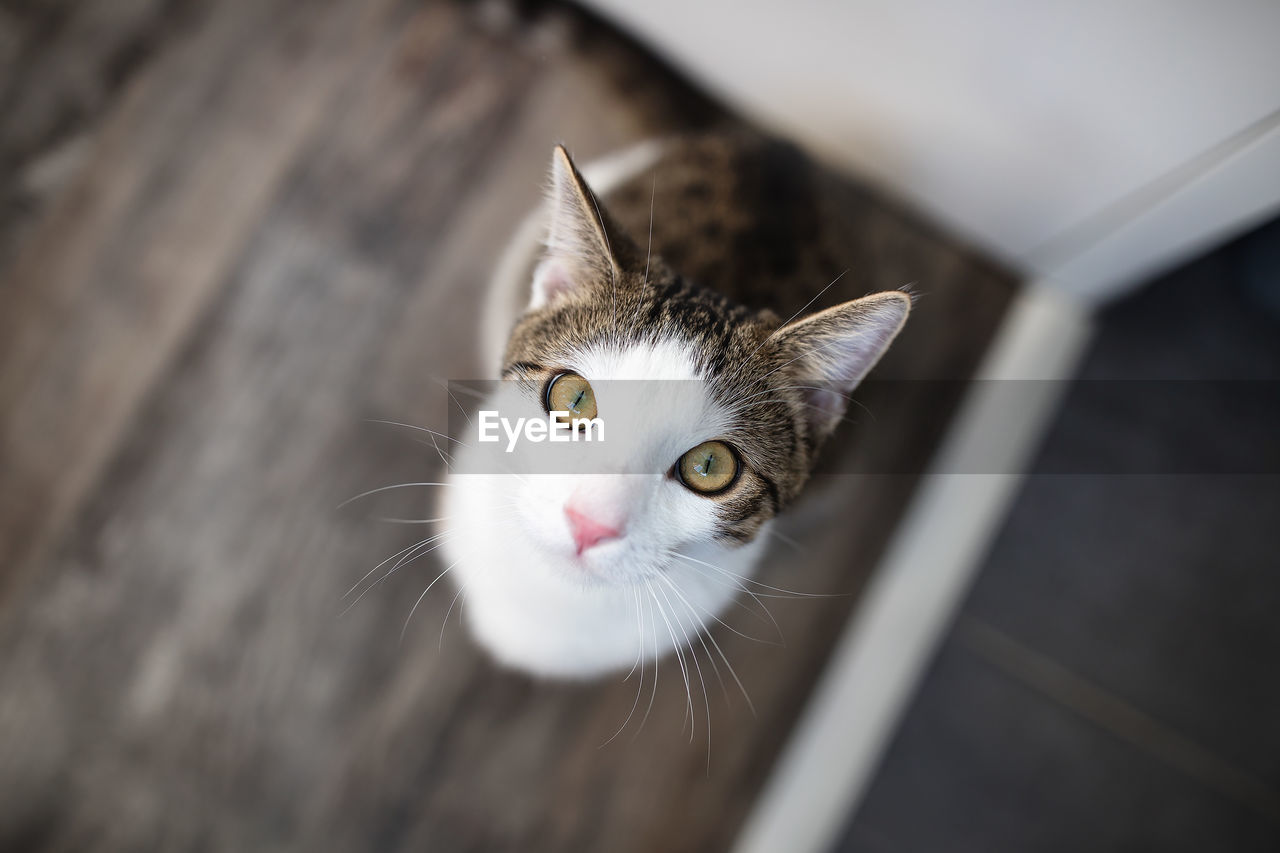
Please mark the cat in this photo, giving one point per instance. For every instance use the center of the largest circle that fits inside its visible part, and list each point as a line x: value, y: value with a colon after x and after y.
x: 693, y: 266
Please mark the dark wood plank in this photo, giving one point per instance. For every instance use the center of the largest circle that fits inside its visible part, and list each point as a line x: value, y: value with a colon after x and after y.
x: 63, y: 64
x: 176, y: 663
x: 112, y: 279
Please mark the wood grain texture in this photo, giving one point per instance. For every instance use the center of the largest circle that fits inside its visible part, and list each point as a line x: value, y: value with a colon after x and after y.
x: 281, y: 229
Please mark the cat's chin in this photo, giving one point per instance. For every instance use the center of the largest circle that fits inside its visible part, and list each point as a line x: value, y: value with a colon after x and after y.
x: 534, y: 610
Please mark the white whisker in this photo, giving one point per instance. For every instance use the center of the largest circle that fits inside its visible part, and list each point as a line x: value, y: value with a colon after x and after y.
x: 684, y: 673
x: 700, y: 632
x: 447, y: 463
x: 418, y: 544
x: 734, y: 581
x: 404, y: 561
x: 773, y: 531
x: 732, y: 672
x: 653, y: 692
x: 386, y: 489
x: 783, y: 593
x: 693, y: 654
x: 635, y: 595
x: 424, y: 595
x: 388, y: 520
x: 471, y: 392
x: 418, y: 428
x: 444, y: 623
x: 461, y: 408
x: 793, y: 316
x: 729, y: 627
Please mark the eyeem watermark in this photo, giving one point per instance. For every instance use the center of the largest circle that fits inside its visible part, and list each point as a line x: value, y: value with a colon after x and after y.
x: 558, y: 426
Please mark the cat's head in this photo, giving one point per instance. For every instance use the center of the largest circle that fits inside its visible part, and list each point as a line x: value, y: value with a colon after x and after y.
x: 735, y: 406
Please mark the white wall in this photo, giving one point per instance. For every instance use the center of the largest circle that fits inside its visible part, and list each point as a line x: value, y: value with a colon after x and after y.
x: 1020, y: 125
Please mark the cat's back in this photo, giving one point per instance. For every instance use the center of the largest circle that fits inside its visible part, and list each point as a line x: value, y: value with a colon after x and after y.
x: 751, y: 216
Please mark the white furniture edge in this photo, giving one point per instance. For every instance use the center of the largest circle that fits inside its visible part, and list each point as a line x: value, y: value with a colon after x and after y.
x: 1210, y: 200
x: 926, y: 570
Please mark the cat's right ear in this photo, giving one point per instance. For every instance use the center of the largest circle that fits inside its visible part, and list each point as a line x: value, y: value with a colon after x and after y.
x: 578, y: 249
x: 828, y: 353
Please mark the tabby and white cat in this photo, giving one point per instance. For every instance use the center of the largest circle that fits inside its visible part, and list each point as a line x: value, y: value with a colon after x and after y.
x: 680, y: 272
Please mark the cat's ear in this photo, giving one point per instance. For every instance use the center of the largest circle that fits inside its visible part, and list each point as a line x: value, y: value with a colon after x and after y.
x: 829, y: 353
x: 579, y: 240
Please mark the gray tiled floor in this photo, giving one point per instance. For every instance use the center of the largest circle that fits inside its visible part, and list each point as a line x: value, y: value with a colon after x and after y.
x: 1113, y: 682
x: 986, y: 763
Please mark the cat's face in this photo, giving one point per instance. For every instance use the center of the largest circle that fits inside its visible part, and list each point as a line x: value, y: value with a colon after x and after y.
x: 703, y: 446
x: 715, y: 412
x: 683, y: 461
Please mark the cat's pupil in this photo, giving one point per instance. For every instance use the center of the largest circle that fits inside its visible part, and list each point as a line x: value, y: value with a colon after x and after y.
x: 577, y: 401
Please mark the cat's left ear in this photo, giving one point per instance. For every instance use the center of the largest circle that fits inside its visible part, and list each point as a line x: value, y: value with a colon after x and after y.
x: 830, y: 352
x: 581, y: 243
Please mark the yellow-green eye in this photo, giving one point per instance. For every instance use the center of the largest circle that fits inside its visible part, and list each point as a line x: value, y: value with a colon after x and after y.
x: 570, y: 393
x: 708, y: 468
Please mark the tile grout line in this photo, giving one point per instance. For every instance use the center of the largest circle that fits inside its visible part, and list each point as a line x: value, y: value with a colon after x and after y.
x: 1109, y: 712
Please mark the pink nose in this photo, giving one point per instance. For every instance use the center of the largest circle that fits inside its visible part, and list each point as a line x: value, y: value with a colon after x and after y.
x: 587, y: 532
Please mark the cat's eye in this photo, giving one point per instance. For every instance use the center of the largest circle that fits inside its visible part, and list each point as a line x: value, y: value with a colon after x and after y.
x: 708, y: 468
x: 570, y: 393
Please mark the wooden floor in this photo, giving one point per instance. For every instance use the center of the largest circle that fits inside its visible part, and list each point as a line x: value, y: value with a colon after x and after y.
x: 230, y: 234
